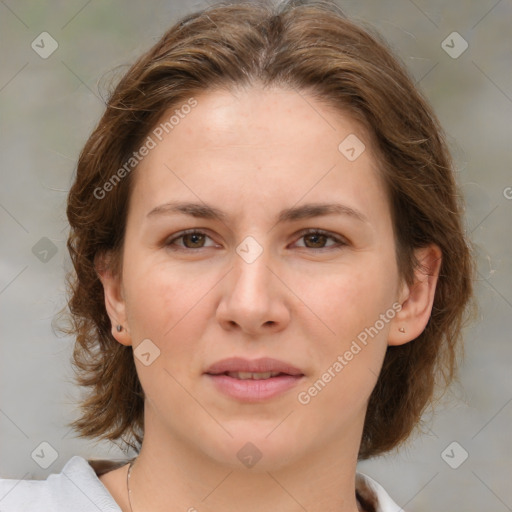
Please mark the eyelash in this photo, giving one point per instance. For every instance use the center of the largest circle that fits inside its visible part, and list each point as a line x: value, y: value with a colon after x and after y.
x: 311, y: 231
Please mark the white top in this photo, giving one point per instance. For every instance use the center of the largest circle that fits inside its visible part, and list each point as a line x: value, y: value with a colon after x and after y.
x: 77, y: 488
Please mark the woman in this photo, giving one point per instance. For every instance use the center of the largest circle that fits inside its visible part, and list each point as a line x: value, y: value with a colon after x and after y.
x: 271, y: 274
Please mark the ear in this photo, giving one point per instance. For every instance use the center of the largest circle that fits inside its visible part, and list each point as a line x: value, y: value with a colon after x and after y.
x: 114, y: 298
x: 417, y: 299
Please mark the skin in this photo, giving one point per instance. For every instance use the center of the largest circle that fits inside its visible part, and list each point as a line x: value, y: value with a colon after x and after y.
x: 303, y: 300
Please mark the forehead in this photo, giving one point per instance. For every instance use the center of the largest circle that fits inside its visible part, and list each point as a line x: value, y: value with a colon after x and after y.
x: 262, y: 146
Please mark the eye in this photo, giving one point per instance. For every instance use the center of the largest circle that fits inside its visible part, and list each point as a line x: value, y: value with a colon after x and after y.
x: 195, y: 239
x: 192, y: 239
x: 318, y: 238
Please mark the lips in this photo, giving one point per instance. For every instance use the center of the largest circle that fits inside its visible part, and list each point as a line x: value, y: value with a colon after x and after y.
x: 255, y: 380
x: 238, y: 367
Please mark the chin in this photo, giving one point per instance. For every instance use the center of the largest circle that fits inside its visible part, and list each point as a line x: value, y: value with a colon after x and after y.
x: 251, y: 449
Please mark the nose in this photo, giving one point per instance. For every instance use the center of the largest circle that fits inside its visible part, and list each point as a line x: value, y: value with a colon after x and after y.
x: 254, y: 298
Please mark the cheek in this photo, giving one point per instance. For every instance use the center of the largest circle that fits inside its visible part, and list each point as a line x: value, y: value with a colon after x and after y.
x: 348, y: 362
x: 167, y: 306
x: 350, y: 305
x: 156, y: 301
x: 349, y: 299
x: 162, y: 296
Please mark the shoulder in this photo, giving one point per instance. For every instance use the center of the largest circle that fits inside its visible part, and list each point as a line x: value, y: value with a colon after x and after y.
x: 77, y: 487
x: 373, y: 496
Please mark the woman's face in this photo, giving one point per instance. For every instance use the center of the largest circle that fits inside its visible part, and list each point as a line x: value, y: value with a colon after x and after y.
x: 254, y: 285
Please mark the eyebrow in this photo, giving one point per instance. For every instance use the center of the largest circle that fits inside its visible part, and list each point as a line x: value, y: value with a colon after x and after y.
x: 306, y: 211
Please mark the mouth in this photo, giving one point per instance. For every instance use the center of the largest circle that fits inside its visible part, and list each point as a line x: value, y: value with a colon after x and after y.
x: 253, y: 381
x: 251, y: 375
x: 239, y: 367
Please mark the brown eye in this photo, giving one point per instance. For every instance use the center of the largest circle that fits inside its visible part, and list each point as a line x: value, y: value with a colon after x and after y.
x: 192, y: 239
x: 317, y: 239
x: 195, y: 239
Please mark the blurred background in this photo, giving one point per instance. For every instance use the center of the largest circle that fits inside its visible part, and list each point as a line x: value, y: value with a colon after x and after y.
x: 58, y: 59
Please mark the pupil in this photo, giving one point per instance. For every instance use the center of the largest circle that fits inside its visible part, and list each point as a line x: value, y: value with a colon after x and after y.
x: 321, y: 237
x: 195, y: 236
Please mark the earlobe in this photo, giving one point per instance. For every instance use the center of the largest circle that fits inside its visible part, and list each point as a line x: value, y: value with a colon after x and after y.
x: 114, y: 301
x: 417, y: 299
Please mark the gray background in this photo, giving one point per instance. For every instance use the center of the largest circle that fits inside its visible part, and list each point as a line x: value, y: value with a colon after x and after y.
x: 48, y: 108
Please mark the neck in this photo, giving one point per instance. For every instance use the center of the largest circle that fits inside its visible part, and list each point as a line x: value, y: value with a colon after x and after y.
x: 170, y: 470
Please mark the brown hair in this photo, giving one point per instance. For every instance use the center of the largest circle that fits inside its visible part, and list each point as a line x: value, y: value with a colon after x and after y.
x: 309, y: 47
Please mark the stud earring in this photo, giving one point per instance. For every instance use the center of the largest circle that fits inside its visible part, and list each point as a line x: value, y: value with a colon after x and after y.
x: 401, y: 329
x: 119, y: 328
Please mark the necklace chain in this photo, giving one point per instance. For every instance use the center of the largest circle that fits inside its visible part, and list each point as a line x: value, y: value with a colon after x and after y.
x: 128, y: 484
